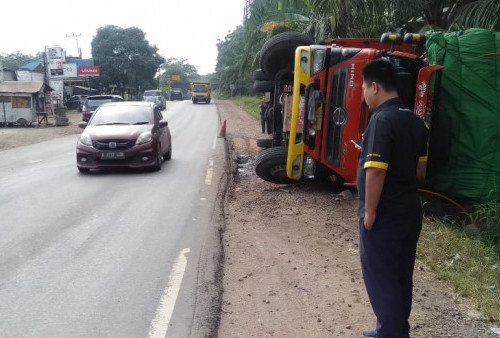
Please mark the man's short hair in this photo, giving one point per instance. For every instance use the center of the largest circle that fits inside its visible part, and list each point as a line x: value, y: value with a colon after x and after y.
x: 382, y: 72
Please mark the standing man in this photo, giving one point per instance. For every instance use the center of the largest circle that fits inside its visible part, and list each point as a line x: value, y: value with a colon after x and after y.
x: 394, y: 144
x: 263, y: 108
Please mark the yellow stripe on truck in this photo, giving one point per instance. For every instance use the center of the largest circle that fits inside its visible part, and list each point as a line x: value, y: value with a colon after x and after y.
x: 295, y: 158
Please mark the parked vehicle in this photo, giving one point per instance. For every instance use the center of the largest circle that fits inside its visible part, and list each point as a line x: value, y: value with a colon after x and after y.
x: 176, y: 94
x: 156, y: 97
x: 93, y: 102
x: 129, y: 134
x: 200, y: 91
x: 76, y: 102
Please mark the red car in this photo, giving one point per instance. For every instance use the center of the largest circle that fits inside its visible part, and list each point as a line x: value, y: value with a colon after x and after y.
x: 93, y: 102
x: 124, y: 134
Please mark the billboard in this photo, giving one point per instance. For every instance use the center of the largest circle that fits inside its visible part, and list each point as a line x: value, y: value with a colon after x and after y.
x: 56, y: 53
x: 56, y: 56
x: 88, y: 71
x: 66, y: 70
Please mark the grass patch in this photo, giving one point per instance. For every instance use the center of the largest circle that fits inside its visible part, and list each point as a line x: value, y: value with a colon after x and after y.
x: 486, y: 220
x: 250, y: 104
x: 471, y: 267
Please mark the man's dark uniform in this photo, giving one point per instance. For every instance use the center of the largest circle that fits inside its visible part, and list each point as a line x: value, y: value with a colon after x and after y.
x: 395, y: 140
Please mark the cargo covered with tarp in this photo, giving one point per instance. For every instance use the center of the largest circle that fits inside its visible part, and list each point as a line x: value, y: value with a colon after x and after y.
x: 464, y: 154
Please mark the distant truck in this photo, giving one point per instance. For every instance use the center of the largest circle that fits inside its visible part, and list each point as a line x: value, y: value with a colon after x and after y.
x: 155, y: 96
x: 200, y: 91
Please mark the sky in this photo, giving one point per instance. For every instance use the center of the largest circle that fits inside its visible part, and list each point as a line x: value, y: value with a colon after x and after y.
x: 186, y: 29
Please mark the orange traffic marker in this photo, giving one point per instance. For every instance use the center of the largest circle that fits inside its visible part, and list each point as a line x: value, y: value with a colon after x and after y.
x: 222, y: 132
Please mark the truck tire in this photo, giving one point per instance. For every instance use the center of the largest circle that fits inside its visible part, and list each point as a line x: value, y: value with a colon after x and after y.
x: 271, y: 165
x: 264, y: 142
x: 279, y: 51
x: 263, y: 86
x: 259, y: 75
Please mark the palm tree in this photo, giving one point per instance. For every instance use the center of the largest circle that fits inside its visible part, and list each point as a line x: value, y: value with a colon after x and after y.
x: 481, y: 14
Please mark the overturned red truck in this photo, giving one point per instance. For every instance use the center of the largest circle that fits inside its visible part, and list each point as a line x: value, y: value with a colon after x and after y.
x: 318, y: 115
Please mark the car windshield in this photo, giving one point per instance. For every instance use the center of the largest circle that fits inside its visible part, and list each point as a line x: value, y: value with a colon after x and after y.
x: 94, y: 103
x: 115, y: 115
x: 200, y: 88
x: 152, y: 93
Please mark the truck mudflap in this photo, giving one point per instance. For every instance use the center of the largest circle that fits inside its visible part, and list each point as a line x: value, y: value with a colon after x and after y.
x: 425, y: 104
x: 424, y: 96
x: 302, y: 75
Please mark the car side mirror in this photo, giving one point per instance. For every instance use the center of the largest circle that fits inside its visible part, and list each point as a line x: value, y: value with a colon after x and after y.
x: 82, y: 124
x: 163, y: 123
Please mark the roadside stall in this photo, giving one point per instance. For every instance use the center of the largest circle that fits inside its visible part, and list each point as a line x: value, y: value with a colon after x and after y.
x: 23, y: 102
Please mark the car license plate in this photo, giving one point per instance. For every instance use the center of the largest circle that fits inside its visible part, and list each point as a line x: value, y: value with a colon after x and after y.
x: 112, y: 155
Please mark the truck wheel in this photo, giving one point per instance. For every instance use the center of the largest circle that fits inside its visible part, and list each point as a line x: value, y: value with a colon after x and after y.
x: 271, y: 165
x: 259, y: 75
x: 263, y: 86
x: 279, y: 51
x: 264, y: 142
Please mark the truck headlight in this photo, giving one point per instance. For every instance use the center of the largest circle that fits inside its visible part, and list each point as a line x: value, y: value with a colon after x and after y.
x: 318, y: 60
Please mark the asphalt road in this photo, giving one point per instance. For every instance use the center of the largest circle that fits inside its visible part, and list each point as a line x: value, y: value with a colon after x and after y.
x: 116, y: 253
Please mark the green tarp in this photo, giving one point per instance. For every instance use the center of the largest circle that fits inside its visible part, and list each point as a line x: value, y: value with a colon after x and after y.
x: 469, y: 128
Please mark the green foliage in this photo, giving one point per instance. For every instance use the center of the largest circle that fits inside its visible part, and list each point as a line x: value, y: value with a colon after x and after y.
x: 125, y: 57
x: 17, y: 59
x: 234, y: 69
x: 326, y: 19
x: 249, y: 104
x: 467, y: 264
x: 186, y: 72
x: 480, y: 14
x: 486, y: 219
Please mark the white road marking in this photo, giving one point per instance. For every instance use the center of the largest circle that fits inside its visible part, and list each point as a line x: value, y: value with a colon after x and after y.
x: 215, y: 143
x: 210, y: 171
x: 159, y: 325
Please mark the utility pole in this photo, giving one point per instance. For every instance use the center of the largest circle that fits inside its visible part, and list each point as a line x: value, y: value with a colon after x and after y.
x: 77, y: 47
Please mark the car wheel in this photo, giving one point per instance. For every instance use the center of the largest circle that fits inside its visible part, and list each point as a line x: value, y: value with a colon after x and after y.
x: 168, y: 154
x: 157, y: 165
x: 271, y: 165
x: 83, y: 170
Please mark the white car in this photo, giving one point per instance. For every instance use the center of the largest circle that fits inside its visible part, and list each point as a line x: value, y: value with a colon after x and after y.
x: 156, y: 97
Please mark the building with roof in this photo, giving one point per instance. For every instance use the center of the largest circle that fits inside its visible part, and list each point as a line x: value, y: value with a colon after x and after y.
x: 21, y: 102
